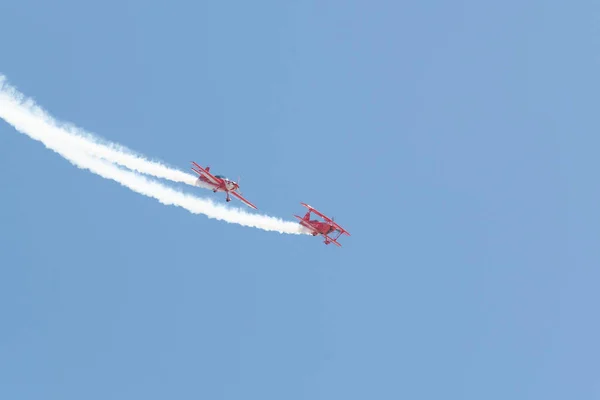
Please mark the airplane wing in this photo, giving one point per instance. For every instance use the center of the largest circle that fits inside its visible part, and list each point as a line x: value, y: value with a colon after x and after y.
x: 334, y: 241
x: 340, y: 229
x: 315, y: 211
x: 243, y: 199
x: 201, y: 171
x: 320, y: 214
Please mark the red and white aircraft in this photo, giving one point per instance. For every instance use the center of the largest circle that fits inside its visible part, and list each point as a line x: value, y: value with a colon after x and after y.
x: 321, y: 227
x: 219, y: 183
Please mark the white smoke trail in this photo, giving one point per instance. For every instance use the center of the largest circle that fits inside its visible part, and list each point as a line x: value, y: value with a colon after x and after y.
x: 100, y: 148
x: 26, y: 117
x: 114, y: 152
x: 118, y: 154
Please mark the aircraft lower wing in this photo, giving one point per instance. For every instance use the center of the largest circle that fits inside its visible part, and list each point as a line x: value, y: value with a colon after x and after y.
x: 243, y: 199
x: 308, y: 226
x: 330, y: 240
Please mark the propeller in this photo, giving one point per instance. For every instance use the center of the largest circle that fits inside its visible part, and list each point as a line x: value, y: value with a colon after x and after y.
x: 238, y: 185
x: 333, y: 220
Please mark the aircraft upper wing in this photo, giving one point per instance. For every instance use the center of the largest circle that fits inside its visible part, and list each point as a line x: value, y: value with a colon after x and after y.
x: 207, y: 174
x: 243, y: 199
x: 339, y: 228
x: 316, y: 212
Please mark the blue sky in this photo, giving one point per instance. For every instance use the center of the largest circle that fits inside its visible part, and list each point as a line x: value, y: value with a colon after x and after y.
x: 454, y: 140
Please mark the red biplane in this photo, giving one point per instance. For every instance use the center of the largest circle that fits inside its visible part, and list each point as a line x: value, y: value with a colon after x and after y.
x: 321, y: 227
x: 219, y: 183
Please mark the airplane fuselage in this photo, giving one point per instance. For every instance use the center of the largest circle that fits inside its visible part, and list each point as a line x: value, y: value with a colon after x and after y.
x: 225, y: 187
x: 318, y: 227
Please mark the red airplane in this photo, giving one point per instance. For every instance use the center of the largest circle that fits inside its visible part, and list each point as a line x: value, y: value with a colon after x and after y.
x: 219, y: 183
x: 321, y: 228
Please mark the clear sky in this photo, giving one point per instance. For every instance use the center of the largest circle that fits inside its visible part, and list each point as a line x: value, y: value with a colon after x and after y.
x: 456, y: 141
